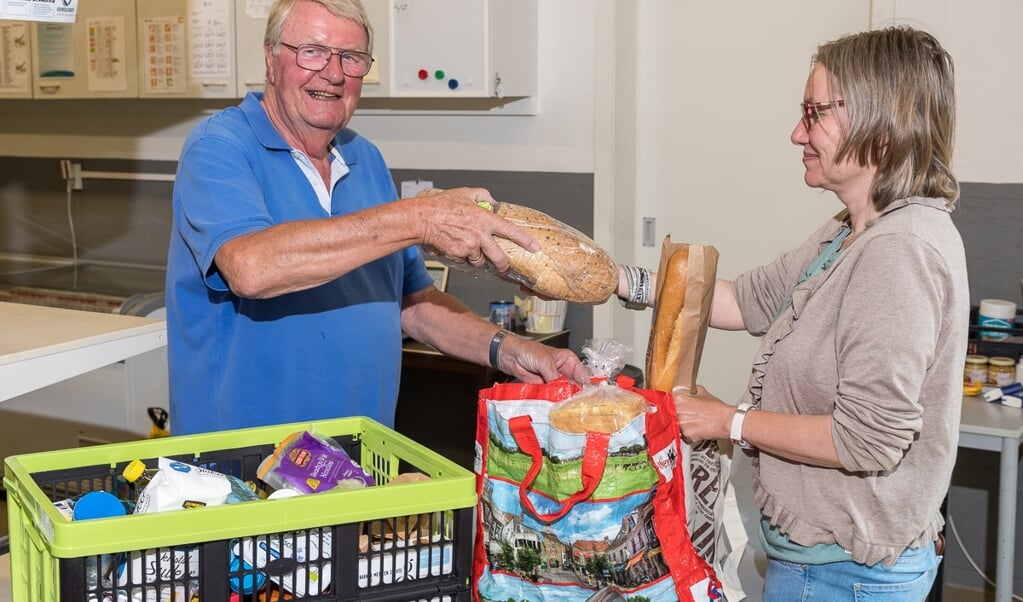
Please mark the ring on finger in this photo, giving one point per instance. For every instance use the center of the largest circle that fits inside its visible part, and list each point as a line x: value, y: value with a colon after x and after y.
x: 475, y: 258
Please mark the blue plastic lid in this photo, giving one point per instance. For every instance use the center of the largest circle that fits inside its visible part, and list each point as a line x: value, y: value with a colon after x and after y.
x: 98, y: 504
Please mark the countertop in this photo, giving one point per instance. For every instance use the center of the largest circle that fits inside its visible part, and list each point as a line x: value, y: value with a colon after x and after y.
x: 43, y: 345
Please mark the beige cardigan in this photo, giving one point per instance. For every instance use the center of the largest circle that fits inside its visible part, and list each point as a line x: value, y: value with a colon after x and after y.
x: 878, y: 342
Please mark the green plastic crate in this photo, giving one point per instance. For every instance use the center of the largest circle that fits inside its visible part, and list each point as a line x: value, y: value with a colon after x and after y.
x: 56, y: 559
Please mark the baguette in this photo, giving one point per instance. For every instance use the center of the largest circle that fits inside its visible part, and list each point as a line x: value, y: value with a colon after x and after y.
x: 666, y: 336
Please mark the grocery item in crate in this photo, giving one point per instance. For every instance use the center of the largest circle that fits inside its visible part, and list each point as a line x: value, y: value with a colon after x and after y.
x: 141, y: 567
x: 311, y: 464
x: 177, y: 485
x: 311, y: 551
x: 170, y: 569
x: 405, y: 565
x: 421, y: 528
x: 94, y: 504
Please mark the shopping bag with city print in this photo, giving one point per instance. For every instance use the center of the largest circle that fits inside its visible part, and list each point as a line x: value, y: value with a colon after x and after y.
x: 581, y: 516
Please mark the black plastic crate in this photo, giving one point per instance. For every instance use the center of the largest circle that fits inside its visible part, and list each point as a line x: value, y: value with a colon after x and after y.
x: 403, y: 542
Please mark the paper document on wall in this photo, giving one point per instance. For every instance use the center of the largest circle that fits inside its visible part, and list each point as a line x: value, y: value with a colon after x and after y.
x: 108, y: 58
x: 163, y: 54
x: 56, y: 50
x: 54, y: 11
x: 14, y: 76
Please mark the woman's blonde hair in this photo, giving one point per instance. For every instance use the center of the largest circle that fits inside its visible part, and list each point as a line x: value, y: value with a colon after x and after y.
x: 898, y: 87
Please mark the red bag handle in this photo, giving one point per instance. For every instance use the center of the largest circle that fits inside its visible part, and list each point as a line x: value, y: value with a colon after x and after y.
x: 594, y: 458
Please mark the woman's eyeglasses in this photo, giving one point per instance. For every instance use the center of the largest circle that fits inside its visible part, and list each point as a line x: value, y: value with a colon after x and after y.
x: 812, y: 110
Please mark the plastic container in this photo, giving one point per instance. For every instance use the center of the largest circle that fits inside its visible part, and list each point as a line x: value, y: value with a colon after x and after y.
x: 340, y: 545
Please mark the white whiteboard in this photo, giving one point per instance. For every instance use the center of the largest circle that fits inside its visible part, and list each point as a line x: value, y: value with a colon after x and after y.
x: 444, y: 40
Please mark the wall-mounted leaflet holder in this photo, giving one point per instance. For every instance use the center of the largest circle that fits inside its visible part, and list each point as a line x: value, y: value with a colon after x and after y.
x: 74, y: 174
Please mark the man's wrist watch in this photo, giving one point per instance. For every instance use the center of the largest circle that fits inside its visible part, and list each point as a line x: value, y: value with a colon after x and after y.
x: 737, y: 421
x: 495, y: 346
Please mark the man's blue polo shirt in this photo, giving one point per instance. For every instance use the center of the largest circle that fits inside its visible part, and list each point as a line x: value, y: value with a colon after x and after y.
x: 330, y: 351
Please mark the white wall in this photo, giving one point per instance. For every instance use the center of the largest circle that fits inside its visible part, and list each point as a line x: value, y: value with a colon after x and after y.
x: 985, y: 43
x: 717, y: 91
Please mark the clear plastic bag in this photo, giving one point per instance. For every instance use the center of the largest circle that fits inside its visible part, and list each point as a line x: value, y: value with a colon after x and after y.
x: 601, y: 406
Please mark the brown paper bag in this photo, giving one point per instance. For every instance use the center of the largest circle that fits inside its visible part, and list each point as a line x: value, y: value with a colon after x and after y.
x: 691, y: 329
x: 714, y: 523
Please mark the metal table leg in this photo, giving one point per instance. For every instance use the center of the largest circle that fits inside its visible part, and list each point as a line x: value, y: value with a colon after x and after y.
x: 1007, y: 477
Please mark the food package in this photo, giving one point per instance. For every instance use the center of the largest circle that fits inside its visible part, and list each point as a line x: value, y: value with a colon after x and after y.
x: 601, y: 407
x: 568, y: 266
x: 308, y: 463
x: 402, y: 530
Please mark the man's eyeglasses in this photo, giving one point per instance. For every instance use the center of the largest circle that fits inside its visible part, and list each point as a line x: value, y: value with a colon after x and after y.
x: 812, y: 110
x: 314, y: 57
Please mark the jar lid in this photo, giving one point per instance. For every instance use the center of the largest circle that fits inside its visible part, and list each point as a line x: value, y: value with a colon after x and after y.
x: 976, y: 359
x: 1002, y: 361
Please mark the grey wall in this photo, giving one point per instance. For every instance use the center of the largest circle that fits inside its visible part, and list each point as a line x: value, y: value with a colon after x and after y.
x: 990, y: 217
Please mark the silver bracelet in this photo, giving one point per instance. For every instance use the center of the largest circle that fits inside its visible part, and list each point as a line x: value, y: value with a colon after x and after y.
x: 640, y: 292
x: 495, y: 346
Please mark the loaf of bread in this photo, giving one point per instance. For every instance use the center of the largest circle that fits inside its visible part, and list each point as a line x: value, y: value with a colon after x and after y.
x: 598, y: 409
x: 568, y: 266
x: 666, y: 334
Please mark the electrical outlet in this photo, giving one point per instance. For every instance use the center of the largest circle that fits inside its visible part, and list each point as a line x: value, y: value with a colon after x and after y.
x: 649, y: 227
x: 73, y: 172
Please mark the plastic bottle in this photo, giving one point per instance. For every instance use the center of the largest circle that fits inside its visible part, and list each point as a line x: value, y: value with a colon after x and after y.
x: 138, y: 476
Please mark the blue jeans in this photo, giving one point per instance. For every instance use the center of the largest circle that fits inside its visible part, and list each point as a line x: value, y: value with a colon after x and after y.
x: 908, y: 580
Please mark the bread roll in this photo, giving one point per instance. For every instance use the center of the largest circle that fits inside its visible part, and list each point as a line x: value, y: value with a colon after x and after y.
x: 569, y: 265
x: 666, y: 335
x: 601, y: 409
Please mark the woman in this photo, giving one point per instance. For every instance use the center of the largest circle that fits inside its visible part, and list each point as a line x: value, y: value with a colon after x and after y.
x: 854, y: 399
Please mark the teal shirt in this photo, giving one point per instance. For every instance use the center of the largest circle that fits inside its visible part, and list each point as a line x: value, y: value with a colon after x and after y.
x: 778, y: 546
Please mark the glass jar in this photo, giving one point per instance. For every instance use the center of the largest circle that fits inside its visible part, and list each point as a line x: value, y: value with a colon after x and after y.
x: 975, y: 372
x: 1001, y: 371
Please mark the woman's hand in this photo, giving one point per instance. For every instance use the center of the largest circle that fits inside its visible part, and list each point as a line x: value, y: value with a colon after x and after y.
x: 702, y: 416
